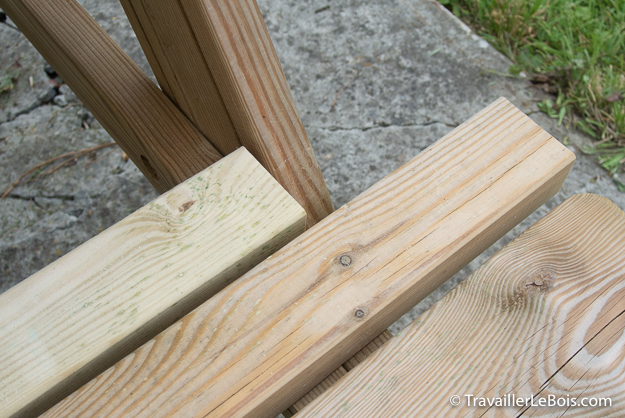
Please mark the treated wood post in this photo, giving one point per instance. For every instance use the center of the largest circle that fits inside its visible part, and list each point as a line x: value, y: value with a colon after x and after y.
x: 268, y: 338
x: 158, y: 138
x: 78, y: 316
x: 216, y: 61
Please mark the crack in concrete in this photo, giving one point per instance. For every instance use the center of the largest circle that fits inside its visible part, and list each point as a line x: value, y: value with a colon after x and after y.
x: 383, y: 126
x: 27, y: 110
x: 28, y: 198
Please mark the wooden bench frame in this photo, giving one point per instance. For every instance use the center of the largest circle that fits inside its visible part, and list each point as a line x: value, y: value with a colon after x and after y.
x: 242, y: 99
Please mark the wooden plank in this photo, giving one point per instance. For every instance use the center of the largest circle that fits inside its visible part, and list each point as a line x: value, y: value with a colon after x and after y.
x: 349, y: 365
x: 369, y: 349
x: 315, y: 392
x: 216, y: 61
x: 158, y: 138
x: 181, y: 69
x: 267, y: 339
x: 543, y: 317
x: 81, y: 314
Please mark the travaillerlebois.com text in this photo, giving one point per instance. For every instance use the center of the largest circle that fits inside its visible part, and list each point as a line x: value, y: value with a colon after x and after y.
x: 510, y: 400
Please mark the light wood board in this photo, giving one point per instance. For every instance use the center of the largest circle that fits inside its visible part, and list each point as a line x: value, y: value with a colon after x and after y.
x: 159, y: 139
x: 544, y: 317
x: 268, y: 338
x: 216, y: 61
x: 184, y: 73
x: 327, y: 383
x: 78, y: 316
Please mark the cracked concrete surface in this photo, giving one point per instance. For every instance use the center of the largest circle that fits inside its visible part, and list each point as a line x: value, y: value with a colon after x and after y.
x: 376, y: 82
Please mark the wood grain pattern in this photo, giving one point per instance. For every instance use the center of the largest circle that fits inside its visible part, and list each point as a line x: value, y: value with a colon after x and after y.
x: 327, y: 383
x: 315, y: 392
x: 369, y: 349
x: 80, y: 315
x: 216, y: 55
x: 184, y: 74
x: 181, y: 69
x: 543, y: 317
x: 267, y: 339
x: 154, y: 133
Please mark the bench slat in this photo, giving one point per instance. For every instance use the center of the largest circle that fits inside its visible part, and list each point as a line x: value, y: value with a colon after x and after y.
x: 267, y: 339
x: 155, y: 134
x: 543, y: 317
x: 358, y: 358
x: 78, y: 316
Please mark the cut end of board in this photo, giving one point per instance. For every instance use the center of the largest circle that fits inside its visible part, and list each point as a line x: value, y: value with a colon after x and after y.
x: 78, y: 316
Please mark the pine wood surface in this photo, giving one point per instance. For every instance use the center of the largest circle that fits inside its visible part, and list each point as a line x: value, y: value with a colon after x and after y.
x: 216, y: 61
x: 180, y: 68
x: 543, y: 317
x: 267, y: 339
x: 369, y: 349
x: 159, y: 139
x: 327, y: 383
x: 182, y: 71
x: 80, y: 315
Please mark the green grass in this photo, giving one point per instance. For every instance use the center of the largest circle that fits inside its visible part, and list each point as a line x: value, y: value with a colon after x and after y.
x: 575, y: 49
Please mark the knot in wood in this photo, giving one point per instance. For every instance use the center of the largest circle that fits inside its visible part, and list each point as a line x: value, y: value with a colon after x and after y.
x: 360, y: 313
x: 540, y: 281
x: 185, y: 207
x: 148, y: 167
x: 345, y: 260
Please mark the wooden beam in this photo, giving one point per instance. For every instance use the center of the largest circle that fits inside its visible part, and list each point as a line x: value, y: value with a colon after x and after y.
x: 78, y: 316
x: 267, y: 339
x: 349, y: 365
x: 315, y: 392
x: 368, y: 350
x: 180, y: 68
x: 216, y: 61
x: 158, y: 138
x: 543, y: 318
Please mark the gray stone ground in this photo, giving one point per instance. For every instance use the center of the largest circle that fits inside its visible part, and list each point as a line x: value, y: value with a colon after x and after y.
x: 376, y: 81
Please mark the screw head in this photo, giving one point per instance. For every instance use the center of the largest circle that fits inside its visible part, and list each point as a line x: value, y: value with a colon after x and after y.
x: 359, y: 313
x: 345, y: 260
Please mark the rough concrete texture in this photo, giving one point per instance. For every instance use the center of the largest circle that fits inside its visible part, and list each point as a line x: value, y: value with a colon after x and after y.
x: 24, y: 65
x: 376, y: 81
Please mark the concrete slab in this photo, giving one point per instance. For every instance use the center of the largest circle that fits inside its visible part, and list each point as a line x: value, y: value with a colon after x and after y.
x: 376, y: 81
x: 23, y: 64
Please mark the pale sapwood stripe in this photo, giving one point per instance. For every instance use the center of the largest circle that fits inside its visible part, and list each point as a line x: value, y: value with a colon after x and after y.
x: 267, y: 339
x: 75, y: 318
x: 544, y: 316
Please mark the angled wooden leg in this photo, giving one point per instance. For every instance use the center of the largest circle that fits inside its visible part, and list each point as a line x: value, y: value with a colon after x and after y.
x: 216, y: 61
x: 159, y: 139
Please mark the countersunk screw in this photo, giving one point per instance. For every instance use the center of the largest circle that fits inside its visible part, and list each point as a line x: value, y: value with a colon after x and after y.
x: 345, y: 260
x: 359, y: 313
